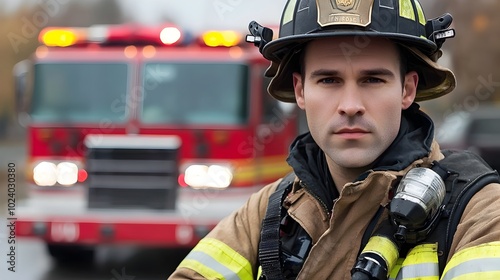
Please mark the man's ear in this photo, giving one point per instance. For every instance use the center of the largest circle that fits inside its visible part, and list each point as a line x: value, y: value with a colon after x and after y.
x: 298, y: 88
x: 409, y: 89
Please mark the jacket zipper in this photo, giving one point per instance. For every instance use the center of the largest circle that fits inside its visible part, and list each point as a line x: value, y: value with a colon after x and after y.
x: 323, y: 205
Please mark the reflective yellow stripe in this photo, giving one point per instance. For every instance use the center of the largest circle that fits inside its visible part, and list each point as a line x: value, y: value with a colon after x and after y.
x: 420, y: 263
x: 289, y: 12
x: 395, y: 269
x: 385, y: 247
x: 267, y: 168
x: 213, y: 259
x: 420, y: 12
x: 202, y: 269
x: 479, y: 262
x: 406, y: 9
x: 478, y: 276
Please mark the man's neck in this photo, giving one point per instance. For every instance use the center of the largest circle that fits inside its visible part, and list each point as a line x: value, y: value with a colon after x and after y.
x: 342, y: 175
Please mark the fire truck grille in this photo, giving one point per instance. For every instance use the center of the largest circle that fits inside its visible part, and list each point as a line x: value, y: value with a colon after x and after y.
x: 132, y: 178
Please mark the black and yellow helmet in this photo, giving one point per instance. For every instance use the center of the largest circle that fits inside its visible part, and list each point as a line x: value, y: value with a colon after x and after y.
x: 402, y: 21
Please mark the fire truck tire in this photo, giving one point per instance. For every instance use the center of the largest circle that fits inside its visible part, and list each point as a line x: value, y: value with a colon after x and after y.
x: 63, y: 253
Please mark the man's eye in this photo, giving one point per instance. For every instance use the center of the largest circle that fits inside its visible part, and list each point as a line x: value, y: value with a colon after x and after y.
x: 373, y: 80
x: 328, y: 81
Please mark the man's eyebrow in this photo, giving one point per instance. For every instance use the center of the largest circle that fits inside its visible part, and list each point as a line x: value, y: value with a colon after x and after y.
x: 378, y: 72
x: 324, y: 72
x: 366, y: 72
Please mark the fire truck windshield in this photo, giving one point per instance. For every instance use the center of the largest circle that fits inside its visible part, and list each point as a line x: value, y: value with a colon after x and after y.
x: 195, y: 93
x: 79, y: 92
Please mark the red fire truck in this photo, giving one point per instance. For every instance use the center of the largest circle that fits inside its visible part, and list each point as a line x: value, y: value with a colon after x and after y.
x: 144, y: 135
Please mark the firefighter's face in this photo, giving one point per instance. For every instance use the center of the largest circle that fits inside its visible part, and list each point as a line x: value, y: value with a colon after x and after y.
x: 353, y: 93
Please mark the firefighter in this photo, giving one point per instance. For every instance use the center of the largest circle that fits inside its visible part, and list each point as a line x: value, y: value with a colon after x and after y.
x: 358, y: 68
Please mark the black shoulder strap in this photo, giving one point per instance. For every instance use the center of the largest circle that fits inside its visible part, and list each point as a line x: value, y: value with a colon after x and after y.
x: 469, y: 174
x: 269, y: 246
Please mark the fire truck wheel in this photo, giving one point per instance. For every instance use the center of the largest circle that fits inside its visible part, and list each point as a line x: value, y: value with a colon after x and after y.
x: 71, y: 253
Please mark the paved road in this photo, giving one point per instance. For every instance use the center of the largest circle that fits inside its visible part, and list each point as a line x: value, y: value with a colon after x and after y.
x: 33, y: 263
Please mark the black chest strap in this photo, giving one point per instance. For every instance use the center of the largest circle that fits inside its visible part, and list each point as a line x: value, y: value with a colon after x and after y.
x: 270, y: 244
x: 470, y: 174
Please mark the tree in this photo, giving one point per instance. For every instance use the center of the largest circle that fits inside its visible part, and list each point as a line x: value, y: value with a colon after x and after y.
x: 20, y: 29
x: 19, y: 34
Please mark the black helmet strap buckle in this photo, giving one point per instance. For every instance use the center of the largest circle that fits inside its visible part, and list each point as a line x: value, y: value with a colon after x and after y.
x: 438, y: 30
x: 259, y: 35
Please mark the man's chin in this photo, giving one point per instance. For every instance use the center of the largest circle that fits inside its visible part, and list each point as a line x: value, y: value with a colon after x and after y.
x: 354, y: 156
x: 353, y: 161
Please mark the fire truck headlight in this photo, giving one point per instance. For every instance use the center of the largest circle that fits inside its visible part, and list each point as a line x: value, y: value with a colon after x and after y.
x: 67, y: 173
x: 220, y: 176
x: 213, y: 176
x: 195, y: 175
x: 45, y: 174
x: 48, y: 174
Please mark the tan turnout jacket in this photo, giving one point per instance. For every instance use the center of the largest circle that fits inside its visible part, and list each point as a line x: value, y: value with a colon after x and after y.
x: 337, y: 238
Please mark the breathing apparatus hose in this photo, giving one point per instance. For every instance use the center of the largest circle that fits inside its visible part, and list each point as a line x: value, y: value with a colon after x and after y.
x: 379, y: 255
x: 413, y: 211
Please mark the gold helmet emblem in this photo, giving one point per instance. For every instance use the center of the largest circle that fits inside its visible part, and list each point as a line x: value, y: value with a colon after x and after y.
x: 351, y: 12
x: 344, y: 5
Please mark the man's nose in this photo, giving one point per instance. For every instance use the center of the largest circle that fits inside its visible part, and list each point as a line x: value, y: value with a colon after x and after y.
x: 351, y: 101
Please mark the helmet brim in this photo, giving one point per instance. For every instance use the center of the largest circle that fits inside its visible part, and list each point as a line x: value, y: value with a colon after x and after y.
x: 434, y: 79
x: 278, y: 48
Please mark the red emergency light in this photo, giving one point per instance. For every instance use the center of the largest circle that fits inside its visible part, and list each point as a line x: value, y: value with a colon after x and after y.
x: 167, y: 35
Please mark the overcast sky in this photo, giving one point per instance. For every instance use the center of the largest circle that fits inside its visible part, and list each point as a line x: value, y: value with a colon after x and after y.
x: 206, y: 14
x: 191, y: 14
x: 196, y: 14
